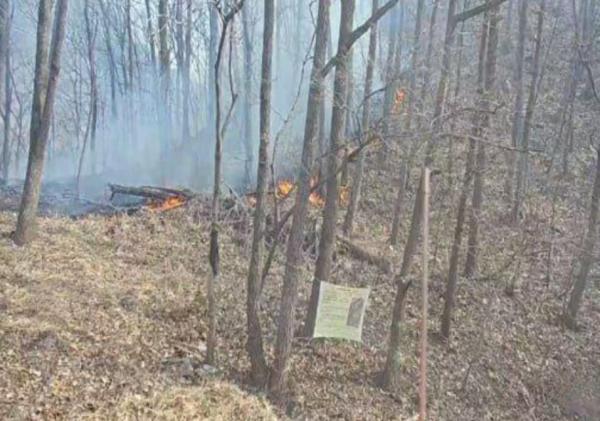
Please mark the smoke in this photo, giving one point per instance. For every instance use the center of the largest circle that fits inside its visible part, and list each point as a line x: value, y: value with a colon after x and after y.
x: 133, y: 144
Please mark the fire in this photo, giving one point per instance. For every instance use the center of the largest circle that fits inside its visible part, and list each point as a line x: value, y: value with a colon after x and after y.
x: 316, y: 200
x: 284, y: 188
x: 399, y: 98
x: 344, y: 197
x: 251, y: 200
x: 167, y: 204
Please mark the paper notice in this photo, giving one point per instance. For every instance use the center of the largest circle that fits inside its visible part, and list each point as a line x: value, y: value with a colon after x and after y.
x: 340, y: 312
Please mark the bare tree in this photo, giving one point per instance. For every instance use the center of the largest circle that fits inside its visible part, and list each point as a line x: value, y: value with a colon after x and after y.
x: 5, y: 85
x: 523, y: 167
x: 47, y: 70
x: 285, y: 327
x: 220, y: 126
x: 587, y: 254
x: 424, y: 303
x: 486, y: 81
x: 357, y: 179
x: 112, y: 65
x: 248, y: 71
x: 480, y: 164
x: 91, y: 30
x: 517, y: 122
x: 338, y: 118
x: 164, y: 79
x: 187, y: 67
x: 258, y: 371
x: 347, y: 38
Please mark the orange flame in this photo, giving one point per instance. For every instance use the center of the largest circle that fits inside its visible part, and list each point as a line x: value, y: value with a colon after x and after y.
x: 344, y: 197
x: 284, y: 188
x: 167, y: 204
x: 316, y: 200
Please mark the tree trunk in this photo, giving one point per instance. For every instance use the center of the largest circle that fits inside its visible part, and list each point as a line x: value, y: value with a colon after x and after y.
x: 150, y: 31
x: 393, y: 362
x: 487, y: 44
x: 424, y: 330
x: 248, y: 72
x: 587, y: 257
x: 130, y: 43
x: 517, y: 123
x: 186, y: 131
x: 47, y: 70
x: 338, y: 118
x: 523, y: 168
x: 164, y: 78
x: 392, y: 72
x: 399, y: 202
x: 112, y: 65
x: 477, y: 201
x: 443, y: 82
x: 365, y: 123
x: 258, y: 371
x: 212, y: 57
x: 5, y: 82
x: 412, y: 94
x: 427, y: 64
x: 211, y: 342
x: 285, y: 328
x: 93, y: 118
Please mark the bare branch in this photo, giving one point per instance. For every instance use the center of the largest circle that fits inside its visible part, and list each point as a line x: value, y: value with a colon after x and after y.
x: 357, y: 33
x: 468, y: 14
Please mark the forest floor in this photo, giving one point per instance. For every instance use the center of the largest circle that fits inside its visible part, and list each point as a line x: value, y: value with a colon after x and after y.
x: 105, y: 318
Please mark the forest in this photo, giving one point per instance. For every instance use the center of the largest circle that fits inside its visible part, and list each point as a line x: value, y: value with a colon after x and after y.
x: 299, y: 209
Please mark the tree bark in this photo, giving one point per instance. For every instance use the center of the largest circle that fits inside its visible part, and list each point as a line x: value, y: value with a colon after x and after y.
x: 212, y: 58
x: 214, y: 261
x: 587, y: 257
x: 150, y: 34
x: 412, y: 94
x: 254, y: 345
x: 248, y: 72
x: 468, y: 177
x: 479, y: 183
x: 164, y: 82
x: 365, y: 130
x: 517, y: 123
x: 187, y: 65
x: 523, y: 167
x: 285, y: 328
x: 93, y: 119
x: 47, y: 70
x: 393, y: 362
x: 112, y: 65
x: 338, y: 118
x: 427, y: 64
x: 5, y: 82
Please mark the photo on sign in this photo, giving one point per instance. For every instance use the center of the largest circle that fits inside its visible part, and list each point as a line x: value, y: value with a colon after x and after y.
x: 355, y: 312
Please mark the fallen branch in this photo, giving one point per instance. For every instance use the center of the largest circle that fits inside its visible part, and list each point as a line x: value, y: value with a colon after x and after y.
x: 365, y: 255
x: 150, y: 192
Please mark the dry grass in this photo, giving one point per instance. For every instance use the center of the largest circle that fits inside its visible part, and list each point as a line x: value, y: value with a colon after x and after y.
x: 216, y: 401
x: 99, y: 319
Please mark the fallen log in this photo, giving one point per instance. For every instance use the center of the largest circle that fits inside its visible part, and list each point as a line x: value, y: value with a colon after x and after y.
x: 364, y: 255
x: 157, y: 199
x: 150, y: 192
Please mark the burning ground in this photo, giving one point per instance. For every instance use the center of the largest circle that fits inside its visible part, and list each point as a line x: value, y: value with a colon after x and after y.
x: 104, y: 317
